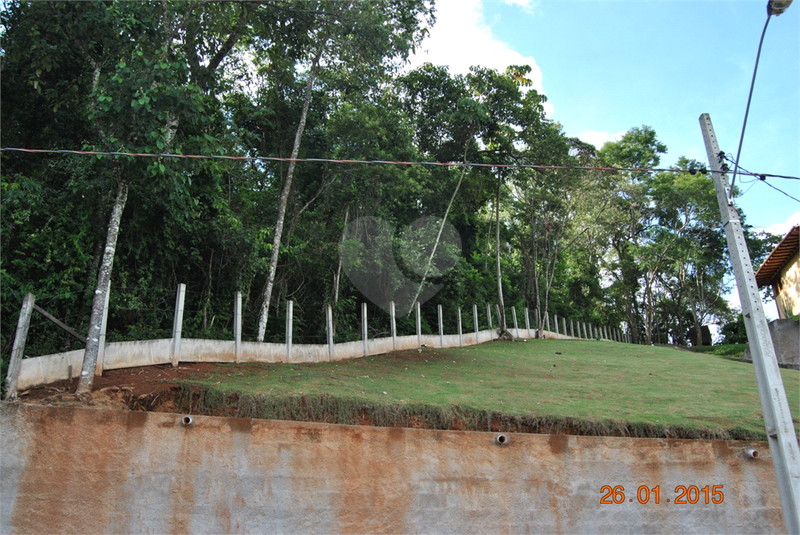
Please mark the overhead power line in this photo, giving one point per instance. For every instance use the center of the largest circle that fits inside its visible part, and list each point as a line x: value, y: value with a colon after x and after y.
x: 369, y: 162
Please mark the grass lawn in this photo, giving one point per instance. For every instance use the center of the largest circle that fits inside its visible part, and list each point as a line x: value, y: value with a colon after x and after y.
x: 540, y: 385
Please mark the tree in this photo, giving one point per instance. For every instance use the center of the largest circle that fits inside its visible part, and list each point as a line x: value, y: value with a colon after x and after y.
x: 626, y: 218
x: 137, y: 82
x: 365, y: 38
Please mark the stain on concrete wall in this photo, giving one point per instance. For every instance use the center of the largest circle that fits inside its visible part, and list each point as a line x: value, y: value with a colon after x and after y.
x: 78, y: 470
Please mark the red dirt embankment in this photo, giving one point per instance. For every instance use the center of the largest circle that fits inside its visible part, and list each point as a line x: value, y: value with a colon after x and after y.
x: 149, y: 388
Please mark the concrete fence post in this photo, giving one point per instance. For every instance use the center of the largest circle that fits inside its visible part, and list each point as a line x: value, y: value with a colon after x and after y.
x: 538, y: 315
x: 419, y: 324
x: 237, y: 327
x: 527, y: 320
x: 101, y: 350
x: 23, y: 324
x: 460, y: 334
x: 514, y: 317
x: 475, y: 320
x: 564, y: 326
x: 393, y: 326
x: 329, y: 331
x: 499, y: 318
x: 547, y: 321
x: 555, y: 321
x: 441, y: 327
x: 364, y: 326
x: 489, y: 316
x: 585, y: 332
x: 289, y: 314
x: 177, y: 325
x: 572, y: 327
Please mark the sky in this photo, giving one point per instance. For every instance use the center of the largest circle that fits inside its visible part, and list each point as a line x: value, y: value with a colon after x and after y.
x: 607, y: 66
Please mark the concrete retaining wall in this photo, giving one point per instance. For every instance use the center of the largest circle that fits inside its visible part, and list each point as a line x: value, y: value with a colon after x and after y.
x: 50, y: 368
x: 785, y: 336
x: 77, y: 470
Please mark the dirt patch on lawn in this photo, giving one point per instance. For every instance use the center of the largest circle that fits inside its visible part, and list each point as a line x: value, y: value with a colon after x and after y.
x: 148, y: 388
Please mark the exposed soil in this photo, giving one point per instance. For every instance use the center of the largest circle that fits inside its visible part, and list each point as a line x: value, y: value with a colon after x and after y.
x: 149, y: 388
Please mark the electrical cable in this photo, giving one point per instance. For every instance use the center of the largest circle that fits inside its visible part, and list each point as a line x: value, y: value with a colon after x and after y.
x: 368, y: 162
x: 761, y: 178
x: 779, y: 190
x: 749, y: 98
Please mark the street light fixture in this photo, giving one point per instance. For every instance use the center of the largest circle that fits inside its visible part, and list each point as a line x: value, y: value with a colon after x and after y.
x: 777, y: 7
x: 774, y: 7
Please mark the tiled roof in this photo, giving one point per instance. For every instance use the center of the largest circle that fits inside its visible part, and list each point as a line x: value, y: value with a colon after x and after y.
x: 785, y: 250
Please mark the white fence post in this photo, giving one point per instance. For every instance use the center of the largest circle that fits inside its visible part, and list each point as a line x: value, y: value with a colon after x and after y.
x: 237, y: 326
x: 460, y: 335
x: 364, y: 326
x: 23, y: 323
x: 514, y: 316
x: 101, y: 351
x: 555, y: 320
x: 289, y: 313
x: 329, y: 329
x: 177, y: 325
x: 441, y: 327
x: 393, y: 325
x: 527, y: 320
x: 475, y: 320
x: 489, y: 316
x: 419, y: 324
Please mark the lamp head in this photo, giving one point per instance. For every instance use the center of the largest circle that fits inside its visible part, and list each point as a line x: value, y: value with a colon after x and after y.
x: 776, y: 7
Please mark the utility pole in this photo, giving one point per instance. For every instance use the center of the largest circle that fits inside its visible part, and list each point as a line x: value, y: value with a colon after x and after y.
x: 777, y: 418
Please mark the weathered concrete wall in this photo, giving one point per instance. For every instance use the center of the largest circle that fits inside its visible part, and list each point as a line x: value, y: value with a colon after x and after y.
x: 50, y: 368
x: 68, y: 470
x: 785, y: 336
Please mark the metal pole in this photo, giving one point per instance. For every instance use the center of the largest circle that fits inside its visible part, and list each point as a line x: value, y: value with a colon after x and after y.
x: 777, y: 418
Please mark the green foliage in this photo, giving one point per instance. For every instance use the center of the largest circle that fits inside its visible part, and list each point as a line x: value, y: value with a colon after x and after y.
x: 632, y: 248
x: 734, y: 332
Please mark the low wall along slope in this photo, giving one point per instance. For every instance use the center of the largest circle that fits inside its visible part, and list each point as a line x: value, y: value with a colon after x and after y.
x: 79, y: 470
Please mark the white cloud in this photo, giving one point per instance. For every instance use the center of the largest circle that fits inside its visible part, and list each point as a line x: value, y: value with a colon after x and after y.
x: 598, y: 139
x: 782, y: 229
x: 527, y: 5
x: 461, y: 38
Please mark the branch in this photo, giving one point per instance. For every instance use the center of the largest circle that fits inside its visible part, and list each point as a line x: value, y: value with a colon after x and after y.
x: 231, y: 41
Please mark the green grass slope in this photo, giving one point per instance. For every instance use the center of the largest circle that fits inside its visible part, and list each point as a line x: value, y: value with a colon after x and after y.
x: 585, y: 387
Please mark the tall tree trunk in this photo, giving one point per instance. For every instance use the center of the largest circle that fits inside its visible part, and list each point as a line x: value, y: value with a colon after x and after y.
x: 287, y: 186
x: 504, y: 334
x: 98, y: 303
x: 441, y: 228
x: 337, y: 278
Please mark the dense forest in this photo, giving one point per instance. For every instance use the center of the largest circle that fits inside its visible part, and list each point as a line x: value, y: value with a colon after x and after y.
x: 282, y: 82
